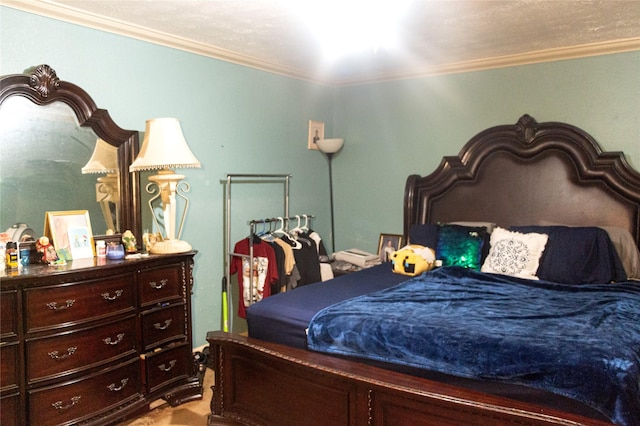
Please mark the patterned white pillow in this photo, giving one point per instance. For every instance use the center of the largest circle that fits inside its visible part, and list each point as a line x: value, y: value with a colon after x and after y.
x: 514, y: 253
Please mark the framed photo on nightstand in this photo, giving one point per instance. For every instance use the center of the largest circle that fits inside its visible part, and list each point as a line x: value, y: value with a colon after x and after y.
x: 387, y: 244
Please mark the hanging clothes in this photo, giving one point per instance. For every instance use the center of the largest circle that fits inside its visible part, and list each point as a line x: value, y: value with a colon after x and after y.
x: 313, y: 235
x: 280, y: 261
x: 265, y: 272
x: 289, y: 259
x: 307, y: 259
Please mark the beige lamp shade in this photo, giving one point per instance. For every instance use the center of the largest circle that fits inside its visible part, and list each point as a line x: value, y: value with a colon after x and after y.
x: 164, y: 147
x: 330, y: 146
x: 103, y: 160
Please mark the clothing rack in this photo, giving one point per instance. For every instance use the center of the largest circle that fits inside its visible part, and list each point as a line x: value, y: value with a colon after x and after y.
x: 252, y: 234
x: 246, y: 179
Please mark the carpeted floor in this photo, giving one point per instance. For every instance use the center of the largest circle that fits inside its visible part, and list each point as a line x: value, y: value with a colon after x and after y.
x: 188, y: 414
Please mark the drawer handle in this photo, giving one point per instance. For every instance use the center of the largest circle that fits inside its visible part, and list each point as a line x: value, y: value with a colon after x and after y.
x: 157, y: 286
x: 163, y: 367
x: 107, y: 296
x: 70, y: 351
x: 159, y: 326
x: 54, y: 306
x: 112, y: 387
x: 58, y: 404
x: 108, y: 340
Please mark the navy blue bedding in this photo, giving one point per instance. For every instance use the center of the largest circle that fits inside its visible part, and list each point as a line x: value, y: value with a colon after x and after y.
x: 582, y: 342
x: 283, y: 318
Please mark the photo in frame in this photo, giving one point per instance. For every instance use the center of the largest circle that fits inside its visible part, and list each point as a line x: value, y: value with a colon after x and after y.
x: 70, y: 232
x: 387, y: 244
x: 316, y: 132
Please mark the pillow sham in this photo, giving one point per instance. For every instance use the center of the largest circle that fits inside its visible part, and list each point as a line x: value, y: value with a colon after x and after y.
x: 514, y: 253
x: 577, y: 255
x: 424, y: 235
x: 490, y: 226
x: 627, y: 250
x: 461, y: 245
x: 624, y: 244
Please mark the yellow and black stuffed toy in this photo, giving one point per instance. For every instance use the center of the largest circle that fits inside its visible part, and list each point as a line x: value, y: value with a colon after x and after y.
x: 413, y: 260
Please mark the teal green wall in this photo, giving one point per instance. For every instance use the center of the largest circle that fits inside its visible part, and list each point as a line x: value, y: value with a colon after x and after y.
x: 235, y: 119
x: 240, y: 120
x: 398, y: 128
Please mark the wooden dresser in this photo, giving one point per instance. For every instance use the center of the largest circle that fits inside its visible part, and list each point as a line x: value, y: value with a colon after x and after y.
x: 95, y: 341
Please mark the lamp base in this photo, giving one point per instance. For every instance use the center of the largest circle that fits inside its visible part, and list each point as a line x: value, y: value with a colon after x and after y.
x: 170, y: 247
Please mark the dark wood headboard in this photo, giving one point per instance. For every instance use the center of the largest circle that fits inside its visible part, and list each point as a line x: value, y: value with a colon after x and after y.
x: 527, y: 174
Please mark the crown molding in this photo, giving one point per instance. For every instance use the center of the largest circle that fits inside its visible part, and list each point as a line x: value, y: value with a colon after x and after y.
x: 528, y: 58
x: 79, y: 17
x: 90, y: 20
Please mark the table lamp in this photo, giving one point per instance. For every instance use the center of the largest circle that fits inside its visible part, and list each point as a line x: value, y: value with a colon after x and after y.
x: 105, y: 160
x: 165, y: 149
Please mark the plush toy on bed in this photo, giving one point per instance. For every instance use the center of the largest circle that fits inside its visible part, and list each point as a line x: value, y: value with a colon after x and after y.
x: 413, y: 260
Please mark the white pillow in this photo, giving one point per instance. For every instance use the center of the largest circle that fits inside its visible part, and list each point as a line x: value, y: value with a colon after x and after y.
x: 514, y: 253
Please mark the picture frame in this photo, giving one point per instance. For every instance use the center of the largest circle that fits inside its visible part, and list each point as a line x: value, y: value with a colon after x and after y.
x: 387, y: 244
x: 316, y: 131
x: 71, y: 234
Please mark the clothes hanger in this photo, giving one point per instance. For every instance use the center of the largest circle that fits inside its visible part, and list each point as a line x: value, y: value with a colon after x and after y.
x: 305, y: 227
x: 264, y: 234
x: 263, y: 230
x: 280, y: 230
x: 254, y: 234
x: 286, y: 234
x: 295, y: 231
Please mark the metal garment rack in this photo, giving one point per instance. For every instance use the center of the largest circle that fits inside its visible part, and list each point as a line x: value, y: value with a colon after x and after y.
x: 244, y: 178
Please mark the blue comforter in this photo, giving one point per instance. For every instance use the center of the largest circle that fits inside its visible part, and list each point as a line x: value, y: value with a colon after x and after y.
x: 582, y: 342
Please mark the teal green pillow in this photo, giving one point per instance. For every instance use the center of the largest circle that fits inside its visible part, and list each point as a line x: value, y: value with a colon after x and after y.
x: 461, y: 246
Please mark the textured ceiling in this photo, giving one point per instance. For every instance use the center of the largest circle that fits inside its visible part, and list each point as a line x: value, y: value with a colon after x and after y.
x: 434, y: 35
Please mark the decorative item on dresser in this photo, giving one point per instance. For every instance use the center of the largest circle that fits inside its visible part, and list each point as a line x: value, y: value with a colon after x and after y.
x: 96, y: 341
x: 165, y: 149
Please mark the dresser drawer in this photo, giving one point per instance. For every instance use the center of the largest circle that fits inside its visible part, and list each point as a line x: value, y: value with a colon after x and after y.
x: 163, y: 325
x: 70, y: 352
x: 90, y: 395
x: 8, y: 312
x: 160, y: 285
x: 167, y: 366
x: 69, y: 304
x: 9, y: 366
x: 9, y: 410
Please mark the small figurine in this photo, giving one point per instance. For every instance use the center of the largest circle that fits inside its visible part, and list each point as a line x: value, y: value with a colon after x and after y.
x: 129, y: 240
x: 44, y: 246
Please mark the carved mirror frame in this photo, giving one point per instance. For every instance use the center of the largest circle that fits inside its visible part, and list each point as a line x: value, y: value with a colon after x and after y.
x: 42, y: 86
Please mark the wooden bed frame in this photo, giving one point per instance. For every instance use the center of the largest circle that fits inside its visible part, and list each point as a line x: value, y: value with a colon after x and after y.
x: 518, y: 174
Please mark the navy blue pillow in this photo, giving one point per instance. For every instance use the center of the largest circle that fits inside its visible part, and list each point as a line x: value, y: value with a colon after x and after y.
x: 424, y: 235
x: 577, y: 255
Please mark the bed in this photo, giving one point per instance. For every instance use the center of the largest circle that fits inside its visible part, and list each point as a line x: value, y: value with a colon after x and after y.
x: 525, y: 177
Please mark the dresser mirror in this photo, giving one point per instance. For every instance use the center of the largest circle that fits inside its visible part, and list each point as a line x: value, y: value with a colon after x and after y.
x: 49, y: 156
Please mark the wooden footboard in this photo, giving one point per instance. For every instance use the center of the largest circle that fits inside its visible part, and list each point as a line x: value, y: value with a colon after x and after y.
x: 261, y: 383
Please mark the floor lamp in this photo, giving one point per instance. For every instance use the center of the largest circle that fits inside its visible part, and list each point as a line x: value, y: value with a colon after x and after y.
x: 165, y: 149
x: 329, y: 147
